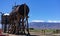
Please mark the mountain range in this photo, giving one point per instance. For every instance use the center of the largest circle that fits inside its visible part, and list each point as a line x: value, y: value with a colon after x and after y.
x: 44, y: 25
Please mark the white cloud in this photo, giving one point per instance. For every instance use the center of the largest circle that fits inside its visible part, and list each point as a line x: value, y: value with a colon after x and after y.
x: 50, y: 21
x: 6, y: 14
x: 53, y: 21
x: 38, y: 21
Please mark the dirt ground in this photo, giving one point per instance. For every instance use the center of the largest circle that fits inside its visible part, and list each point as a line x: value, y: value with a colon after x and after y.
x: 34, y: 34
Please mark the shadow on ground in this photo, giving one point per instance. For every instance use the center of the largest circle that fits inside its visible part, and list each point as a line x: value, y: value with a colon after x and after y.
x: 31, y: 35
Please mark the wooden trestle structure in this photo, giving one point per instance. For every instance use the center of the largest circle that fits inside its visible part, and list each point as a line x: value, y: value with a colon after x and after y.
x: 17, y: 21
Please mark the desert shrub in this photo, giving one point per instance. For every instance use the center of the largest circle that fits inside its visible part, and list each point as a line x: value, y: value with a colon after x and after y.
x: 31, y: 28
x: 56, y: 31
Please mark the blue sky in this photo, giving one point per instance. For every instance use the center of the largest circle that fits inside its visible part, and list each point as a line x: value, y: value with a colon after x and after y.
x: 39, y: 9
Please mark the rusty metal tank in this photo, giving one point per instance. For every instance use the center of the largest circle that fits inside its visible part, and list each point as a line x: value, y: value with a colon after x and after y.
x: 5, y: 19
